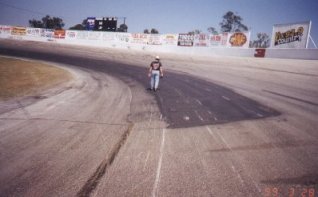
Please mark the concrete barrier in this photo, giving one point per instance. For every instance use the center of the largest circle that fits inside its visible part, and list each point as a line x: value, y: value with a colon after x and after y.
x: 128, y: 41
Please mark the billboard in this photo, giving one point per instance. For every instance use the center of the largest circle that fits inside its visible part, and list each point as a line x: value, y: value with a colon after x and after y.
x: 70, y: 34
x: 201, y: 40
x: 5, y: 30
x: 185, y: 40
x: 19, y: 31
x: 218, y: 40
x: 154, y: 39
x: 34, y: 32
x: 90, y: 23
x: 169, y: 39
x: 59, y: 34
x: 139, y: 38
x: 238, y: 39
x: 294, y: 35
x: 122, y: 37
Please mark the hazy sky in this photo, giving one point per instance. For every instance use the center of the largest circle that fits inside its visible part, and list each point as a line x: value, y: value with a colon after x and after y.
x: 168, y: 16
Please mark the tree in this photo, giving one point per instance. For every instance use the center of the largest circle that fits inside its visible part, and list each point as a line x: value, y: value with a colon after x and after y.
x: 146, y: 31
x: 232, y: 23
x: 47, y: 22
x: 212, y: 30
x: 154, y: 31
x: 35, y: 23
x: 263, y: 41
x: 196, y: 31
x: 78, y: 27
x: 122, y: 28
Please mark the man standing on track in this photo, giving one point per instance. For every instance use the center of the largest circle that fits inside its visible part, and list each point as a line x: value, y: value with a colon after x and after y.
x: 155, y: 72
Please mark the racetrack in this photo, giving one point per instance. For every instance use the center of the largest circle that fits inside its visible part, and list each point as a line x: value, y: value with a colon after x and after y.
x: 217, y: 127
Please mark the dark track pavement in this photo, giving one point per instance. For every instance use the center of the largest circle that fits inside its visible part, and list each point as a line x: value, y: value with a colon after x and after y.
x: 184, y: 101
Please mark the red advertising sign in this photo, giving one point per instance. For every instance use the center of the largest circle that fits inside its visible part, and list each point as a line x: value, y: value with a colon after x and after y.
x: 201, y: 40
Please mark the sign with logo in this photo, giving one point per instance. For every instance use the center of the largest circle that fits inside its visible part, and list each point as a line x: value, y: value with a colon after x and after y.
x: 169, y: 39
x: 201, y: 40
x: 218, y: 40
x: 154, y: 39
x: 5, y: 29
x: 90, y: 23
x: 70, y: 34
x: 122, y: 37
x: 18, y: 31
x: 33, y: 32
x: 238, y: 39
x: 139, y: 38
x: 60, y: 34
x: 293, y: 35
x: 186, y: 40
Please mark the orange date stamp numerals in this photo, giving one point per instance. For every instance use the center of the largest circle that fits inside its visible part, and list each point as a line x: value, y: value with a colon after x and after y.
x: 271, y: 192
x: 290, y: 192
x: 308, y: 192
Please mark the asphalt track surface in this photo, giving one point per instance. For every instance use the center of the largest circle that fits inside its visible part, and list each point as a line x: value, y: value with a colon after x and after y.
x: 105, y: 134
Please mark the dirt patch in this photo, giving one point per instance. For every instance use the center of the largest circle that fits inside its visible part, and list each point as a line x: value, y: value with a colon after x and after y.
x: 24, y: 78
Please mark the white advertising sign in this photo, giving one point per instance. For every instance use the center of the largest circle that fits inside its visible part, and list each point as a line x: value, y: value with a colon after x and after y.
x: 293, y: 35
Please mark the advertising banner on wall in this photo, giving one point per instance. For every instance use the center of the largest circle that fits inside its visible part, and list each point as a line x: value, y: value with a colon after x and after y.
x: 5, y: 30
x: 218, y: 40
x: 169, y: 39
x: 33, y: 32
x: 18, y: 31
x: 122, y: 37
x: 139, y: 38
x: 238, y: 39
x: 70, y: 34
x: 154, y: 39
x: 185, y: 40
x: 59, y: 34
x: 294, y: 35
x: 90, y: 23
x: 82, y: 35
x: 108, y: 36
x: 93, y: 35
x: 201, y: 40
x: 47, y: 33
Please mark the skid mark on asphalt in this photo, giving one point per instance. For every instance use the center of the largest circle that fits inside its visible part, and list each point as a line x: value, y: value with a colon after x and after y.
x: 93, y: 181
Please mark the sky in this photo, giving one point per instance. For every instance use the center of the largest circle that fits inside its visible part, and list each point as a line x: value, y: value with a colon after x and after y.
x: 167, y: 16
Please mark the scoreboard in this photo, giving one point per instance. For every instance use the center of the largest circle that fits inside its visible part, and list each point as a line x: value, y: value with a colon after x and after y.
x: 101, y: 24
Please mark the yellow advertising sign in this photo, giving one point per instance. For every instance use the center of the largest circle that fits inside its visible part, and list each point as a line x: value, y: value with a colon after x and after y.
x: 19, y: 31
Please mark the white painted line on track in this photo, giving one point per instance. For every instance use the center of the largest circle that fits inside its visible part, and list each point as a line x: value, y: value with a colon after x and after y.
x: 233, y: 168
x: 198, y: 101
x: 224, y: 97
x: 157, y: 180
x: 259, y: 115
x: 200, y: 117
